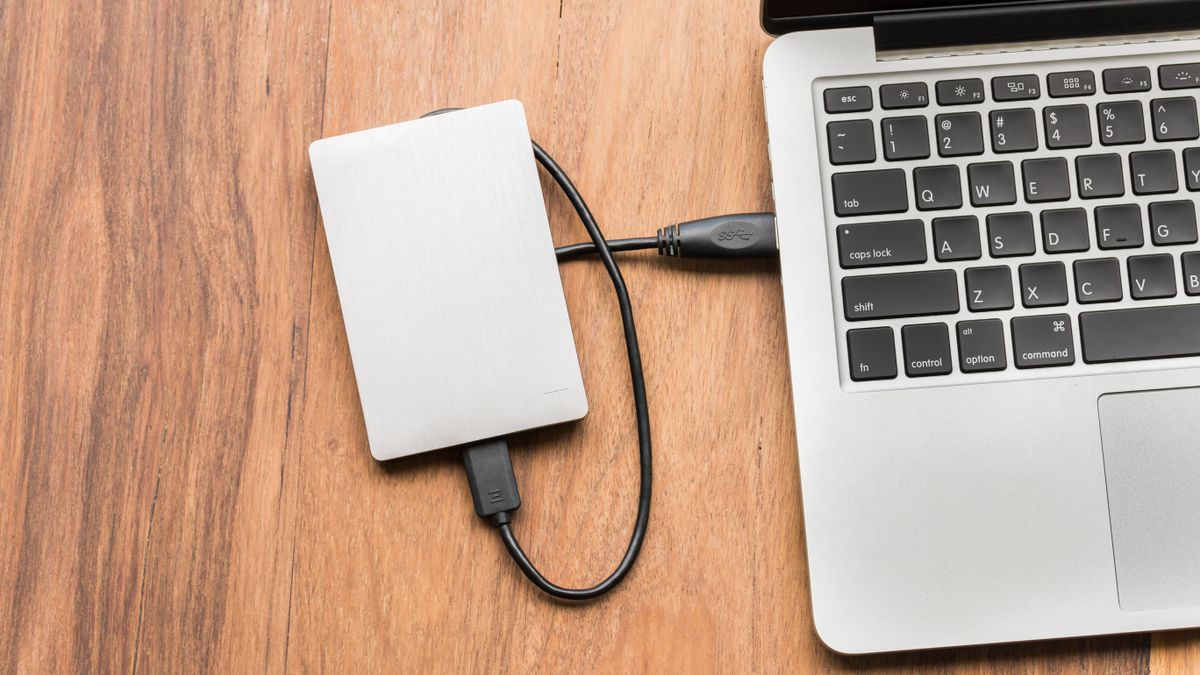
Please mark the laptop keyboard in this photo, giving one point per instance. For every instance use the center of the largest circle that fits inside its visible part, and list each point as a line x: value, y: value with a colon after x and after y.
x: 1022, y: 222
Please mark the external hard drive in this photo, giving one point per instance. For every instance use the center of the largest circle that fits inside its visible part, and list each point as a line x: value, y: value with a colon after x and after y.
x: 450, y: 292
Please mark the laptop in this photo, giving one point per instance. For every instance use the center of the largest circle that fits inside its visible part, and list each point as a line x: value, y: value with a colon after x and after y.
x: 988, y: 238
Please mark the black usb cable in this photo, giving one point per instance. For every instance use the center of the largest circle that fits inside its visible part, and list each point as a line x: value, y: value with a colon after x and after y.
x: 489, y: 467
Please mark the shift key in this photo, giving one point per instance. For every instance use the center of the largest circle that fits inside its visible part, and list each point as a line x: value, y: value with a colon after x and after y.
x: 865, y: 193
x: 887, y: 296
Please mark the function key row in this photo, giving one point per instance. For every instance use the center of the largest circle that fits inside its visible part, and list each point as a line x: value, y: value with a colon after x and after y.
x: 1043, y: 180
x: 961, y: 134
x: 1044, y: 341
x: 1011, y: 88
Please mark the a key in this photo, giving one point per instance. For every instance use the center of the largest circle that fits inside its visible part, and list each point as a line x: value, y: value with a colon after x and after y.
x: 992, y: 184
x: 1065, y: 231
x: 851, y: 142
x: 905, y: 138
x: 905, y: 95
x: 1044, y: 284
x: 1016, y: 88
x: 1173, y: 223
x: 848, y: 99
x: 1011, y: 234
x: 1180, y: 76
x: 937, y: 187
x: 926, y: 350
x: 1043, y: 341
x: 1126, y: 80
x: 1121, y: 123
x: 959, y: 92
x: 1098, y: 280
x: 1046, y: 180
x: 1152, y: 277
x: 989, y: 288
x: 1175, y: 119
x: 887, y: 296
x: 1075, y: 83
x: 1100, y: 176
x: 895, y: 242
x: 865, y: 193
x: 1191, y: 167
x: 1119, y: 226
x: 956, y: 238
x: 1191, y: 273
x: 1138, y: 334
x: 1067, y: 126
x: 959, y: 134
x: 1153, y: 172
x: 1013, y: 130
x: 872, y: 354
x: 981, y: 346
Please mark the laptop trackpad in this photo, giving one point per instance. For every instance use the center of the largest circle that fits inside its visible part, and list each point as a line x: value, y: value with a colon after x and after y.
x: 1152, y: 463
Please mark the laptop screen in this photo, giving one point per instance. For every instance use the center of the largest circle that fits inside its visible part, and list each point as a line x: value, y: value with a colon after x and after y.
x: 834, y: 13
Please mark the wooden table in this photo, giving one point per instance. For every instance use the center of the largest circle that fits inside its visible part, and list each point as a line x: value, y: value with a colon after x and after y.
x: 184, y: 478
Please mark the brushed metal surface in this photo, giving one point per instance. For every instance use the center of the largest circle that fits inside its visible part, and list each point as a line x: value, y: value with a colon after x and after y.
x: 450, y: 290
x: 969, y: 512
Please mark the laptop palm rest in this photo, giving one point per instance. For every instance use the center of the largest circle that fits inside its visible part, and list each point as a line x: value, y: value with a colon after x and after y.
x: 1152, y: 463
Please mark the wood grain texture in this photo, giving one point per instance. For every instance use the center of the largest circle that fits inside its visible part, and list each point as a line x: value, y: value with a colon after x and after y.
x: 184, y: 479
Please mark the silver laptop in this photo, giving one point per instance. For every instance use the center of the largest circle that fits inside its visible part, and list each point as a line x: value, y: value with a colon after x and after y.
x: 988, y: 231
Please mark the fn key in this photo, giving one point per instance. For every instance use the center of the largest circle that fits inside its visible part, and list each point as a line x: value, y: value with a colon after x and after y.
x: 872, y: 354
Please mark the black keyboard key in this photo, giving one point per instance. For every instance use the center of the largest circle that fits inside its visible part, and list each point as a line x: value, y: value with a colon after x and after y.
x: 1065, y: 231
x: 864, y: 193
x: 1152, y: 277
x: 1011, y: 234
x: 926, y: 350
x: 1153, y: 172
x: 1013, y: 130
x: 1100, y: 176
x: 1180, y: 76
x: 937, y: 187
x: 992, y: 184
x: 1121, y: 123
x: 956, y: 238
x: 1191, y: 168
x: 1075, y: 83
x: 1044, y: 284
x: 905, y: 95
x: 1046, y: 180
x: 1138, y: 334
x: 1119, y: 226
x: 981, y: 346
x: 1043, y: 341
x: 905, y: 138
x: 872, y: 354
x: 1016, y: 88
x: 848, y: 99
x: 887, y: 296
x: 1098, y: 281
x: 1067, y: 126
x: 851, y: 142
x: 1126, y: 80
x: 1175, y: 119
x: 1173, y: 223
x: 1191, y: 272
x: 895, y: 242
x: 989, y: 288
x: 959, y: 134
x: 959, y: 92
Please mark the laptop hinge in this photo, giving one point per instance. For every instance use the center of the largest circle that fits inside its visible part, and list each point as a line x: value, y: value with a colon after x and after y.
x: 1032, y: 23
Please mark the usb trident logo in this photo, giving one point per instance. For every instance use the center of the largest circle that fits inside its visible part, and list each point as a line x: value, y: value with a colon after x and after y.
x: 730, y: 235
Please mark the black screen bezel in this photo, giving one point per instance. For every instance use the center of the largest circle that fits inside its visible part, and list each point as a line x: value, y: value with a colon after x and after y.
x: 778, y: 25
